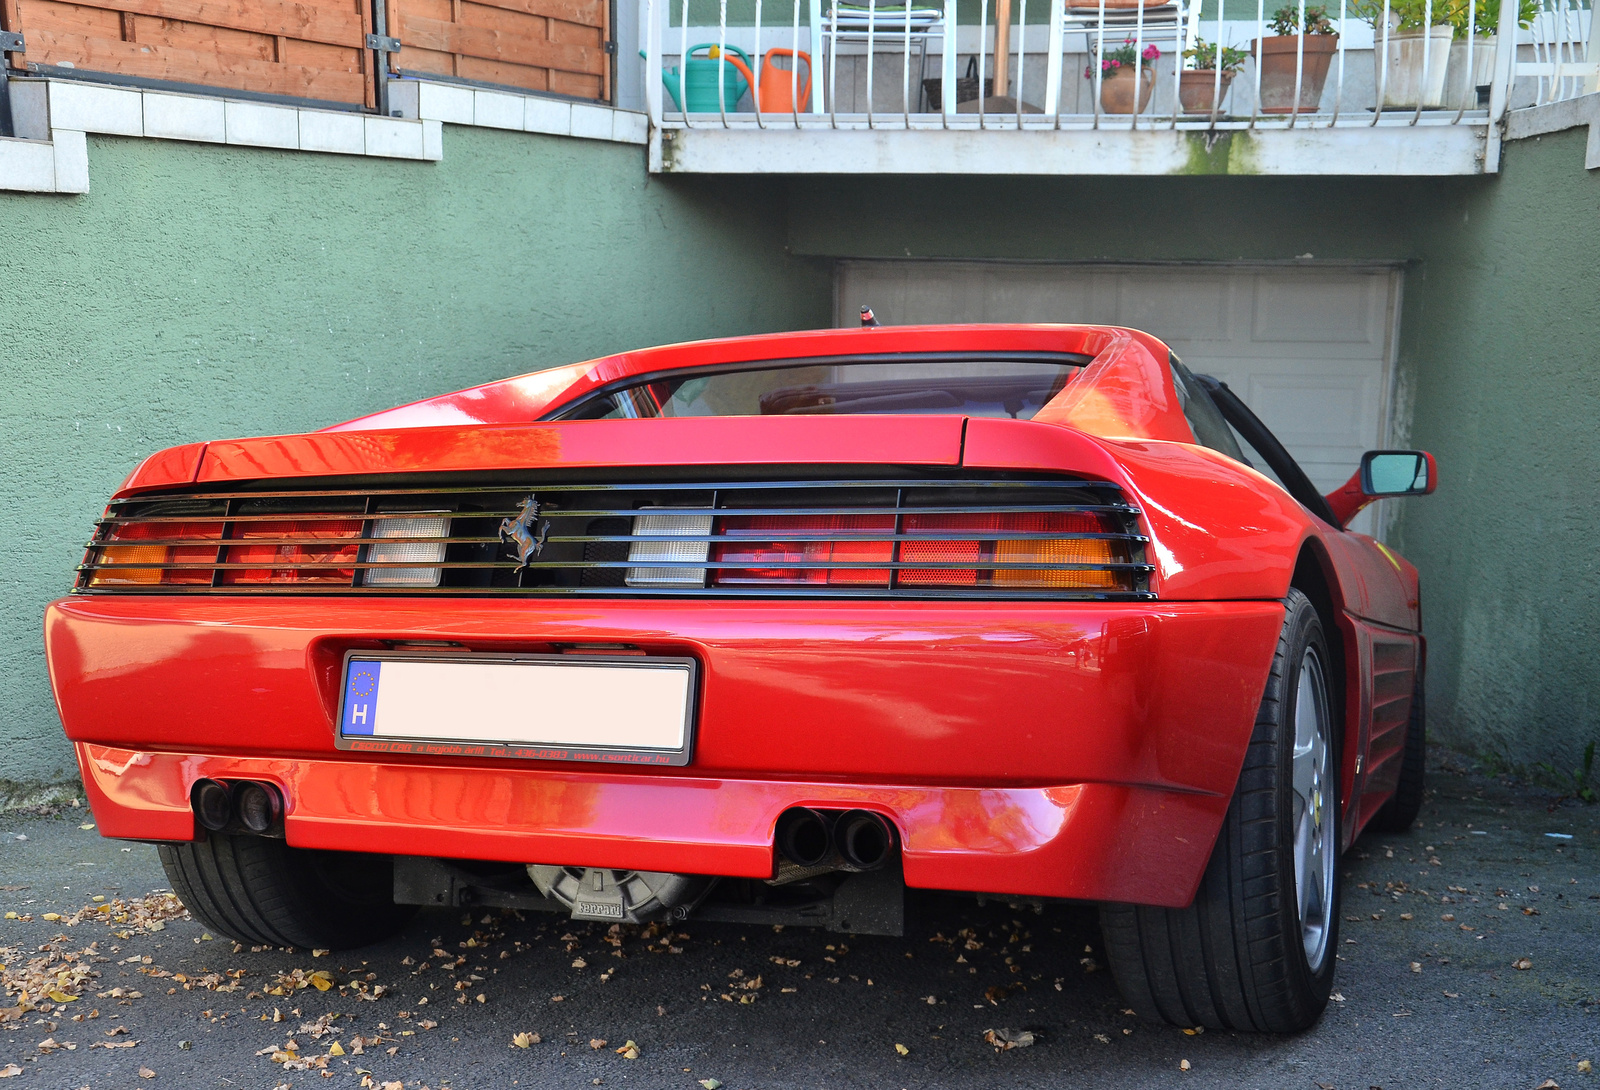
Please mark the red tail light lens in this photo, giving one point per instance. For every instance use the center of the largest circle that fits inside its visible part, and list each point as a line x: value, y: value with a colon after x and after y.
x: 772, y: 561
x: 317, y: 542
x: 164, y: 543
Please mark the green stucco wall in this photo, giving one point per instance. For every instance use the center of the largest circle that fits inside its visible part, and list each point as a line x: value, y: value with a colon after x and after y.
x: 1504, y: 348
x: 202, y: 292
x: 1498, y: 356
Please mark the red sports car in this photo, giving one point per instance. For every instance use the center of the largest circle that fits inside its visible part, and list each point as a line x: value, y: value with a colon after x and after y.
x: 768, y: 629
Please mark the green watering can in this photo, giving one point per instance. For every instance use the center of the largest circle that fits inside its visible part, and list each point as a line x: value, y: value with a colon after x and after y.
x: 700, y: 80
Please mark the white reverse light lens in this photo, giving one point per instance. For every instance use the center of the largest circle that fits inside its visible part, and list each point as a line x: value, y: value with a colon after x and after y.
x: 413, y: 552
x: 645, y: 551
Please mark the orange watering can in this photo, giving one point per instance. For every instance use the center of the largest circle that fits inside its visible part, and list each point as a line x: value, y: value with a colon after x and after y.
x: 777, y: 84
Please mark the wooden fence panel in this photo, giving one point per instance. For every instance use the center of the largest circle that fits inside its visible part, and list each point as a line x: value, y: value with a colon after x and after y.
x: 539, y: 45
x: 302, y: 48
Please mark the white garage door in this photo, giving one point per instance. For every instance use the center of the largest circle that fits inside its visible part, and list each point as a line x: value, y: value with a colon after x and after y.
x: 1309, y: 349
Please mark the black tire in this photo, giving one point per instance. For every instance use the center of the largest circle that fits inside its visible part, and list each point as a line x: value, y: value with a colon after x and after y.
x: 1398, y: 814
x: 260, y: 891
x: 1236, y: 958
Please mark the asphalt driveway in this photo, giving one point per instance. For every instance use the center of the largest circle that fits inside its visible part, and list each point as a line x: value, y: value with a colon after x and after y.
x: 1470, y: 957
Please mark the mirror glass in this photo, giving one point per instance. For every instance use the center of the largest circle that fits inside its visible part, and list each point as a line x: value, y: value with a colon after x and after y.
x: 1395, y: 472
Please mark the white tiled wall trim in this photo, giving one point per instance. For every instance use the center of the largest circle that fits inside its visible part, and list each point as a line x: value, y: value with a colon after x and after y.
x: 50, y: 153
x: 455, y: 104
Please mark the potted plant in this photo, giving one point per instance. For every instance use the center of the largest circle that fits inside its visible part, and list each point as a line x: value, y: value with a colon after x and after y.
x: 1309, y: 47
x: 1411, y: 52
x: 1200, y: 91
x: 1118, y: 68
x: 1467, y: 89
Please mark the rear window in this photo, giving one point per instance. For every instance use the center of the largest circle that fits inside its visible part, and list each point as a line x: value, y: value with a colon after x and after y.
x: 1014, y: 388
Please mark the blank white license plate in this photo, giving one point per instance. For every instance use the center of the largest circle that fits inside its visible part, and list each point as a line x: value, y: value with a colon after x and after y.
x: 534, y: 707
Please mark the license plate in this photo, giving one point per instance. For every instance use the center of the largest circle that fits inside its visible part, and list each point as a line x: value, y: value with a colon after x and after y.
x: 619, y: 710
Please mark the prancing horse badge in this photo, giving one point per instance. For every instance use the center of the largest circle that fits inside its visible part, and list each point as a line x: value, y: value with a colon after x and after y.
x: 519, y: 532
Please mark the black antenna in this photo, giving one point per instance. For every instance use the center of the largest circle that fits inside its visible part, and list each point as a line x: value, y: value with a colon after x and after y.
x: 869, y: 320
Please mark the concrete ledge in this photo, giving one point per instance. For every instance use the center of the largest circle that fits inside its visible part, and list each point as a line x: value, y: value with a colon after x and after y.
x: 455, y: 104
x: 1396, y: 151
x: 1558, y: 117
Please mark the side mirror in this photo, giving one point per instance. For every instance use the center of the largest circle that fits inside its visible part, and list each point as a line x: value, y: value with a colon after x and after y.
x: 1384, y: 473
x: 1398, y: 473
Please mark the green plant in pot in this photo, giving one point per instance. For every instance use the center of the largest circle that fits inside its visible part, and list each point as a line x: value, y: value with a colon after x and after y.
x: 1471, y: 67
x: 1120, y: 69
x: 1203, y: 86
x: 1411, y: 51
x: 1302, y: 45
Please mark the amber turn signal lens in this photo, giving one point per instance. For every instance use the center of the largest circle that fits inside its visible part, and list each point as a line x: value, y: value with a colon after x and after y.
x: 164, y: 544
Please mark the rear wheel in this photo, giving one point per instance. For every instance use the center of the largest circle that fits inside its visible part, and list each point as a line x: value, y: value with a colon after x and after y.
x: 260, y: 891
x: 1255, y: 950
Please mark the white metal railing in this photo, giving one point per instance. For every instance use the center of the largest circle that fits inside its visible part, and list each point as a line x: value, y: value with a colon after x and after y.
x: 887, y: 64
x: 1564, y: 62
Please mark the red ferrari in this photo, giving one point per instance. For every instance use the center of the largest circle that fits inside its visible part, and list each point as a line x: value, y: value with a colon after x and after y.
x: 768, y: 629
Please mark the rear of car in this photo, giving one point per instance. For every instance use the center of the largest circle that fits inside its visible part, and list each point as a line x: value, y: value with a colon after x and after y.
x: 776, y: 642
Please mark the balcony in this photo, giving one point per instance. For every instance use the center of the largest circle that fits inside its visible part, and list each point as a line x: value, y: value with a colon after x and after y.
x: 895, y: 89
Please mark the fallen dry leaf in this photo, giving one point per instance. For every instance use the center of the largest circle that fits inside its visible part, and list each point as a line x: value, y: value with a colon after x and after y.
x: 1183, y: 1065
x: 523, y: 1040
x: 1416, y: 966
x: 146, y: 1073
x: 597, y: 1043
x: 10, y: 1071
x: 1005, y: 1039
x: 1523, y: 963
x: 711, y: 1084
x: 1548, y: 1084
x: 629, y: 1051
x: 1585, y: 1067
x: 902, y: 1049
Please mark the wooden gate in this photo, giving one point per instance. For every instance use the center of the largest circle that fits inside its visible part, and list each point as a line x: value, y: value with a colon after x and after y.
x: 539, y: 45
x: 302, y: 48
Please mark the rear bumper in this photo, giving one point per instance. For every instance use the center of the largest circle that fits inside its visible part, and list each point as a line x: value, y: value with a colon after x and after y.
x: 1034, y: 749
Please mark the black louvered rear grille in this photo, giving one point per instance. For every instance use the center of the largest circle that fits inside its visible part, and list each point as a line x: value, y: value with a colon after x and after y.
x: 931, y: 538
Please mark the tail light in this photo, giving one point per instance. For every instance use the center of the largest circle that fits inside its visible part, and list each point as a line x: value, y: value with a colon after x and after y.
x: 1024, y: 557
x: 426, y: 555
x: 1022, y: 551
x: 804, y: 561
x: 318, y: 552
x: 162, y: 544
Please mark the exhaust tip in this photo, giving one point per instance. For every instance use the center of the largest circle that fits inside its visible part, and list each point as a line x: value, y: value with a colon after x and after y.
x: 865, y: 839
x: 804, y: 837
x: 213, y: 804
x: 258, y: 806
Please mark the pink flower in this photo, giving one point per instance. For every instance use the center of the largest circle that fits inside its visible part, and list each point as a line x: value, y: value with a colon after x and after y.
x: 1150, y: 53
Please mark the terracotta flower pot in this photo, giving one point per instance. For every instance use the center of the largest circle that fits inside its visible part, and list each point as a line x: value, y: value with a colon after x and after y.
x: 1276, y: 56
x: 1196, y: 86
x: 1116, y: 91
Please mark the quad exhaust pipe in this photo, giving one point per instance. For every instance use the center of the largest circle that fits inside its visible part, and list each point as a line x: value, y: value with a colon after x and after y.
x: 812, y: 841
